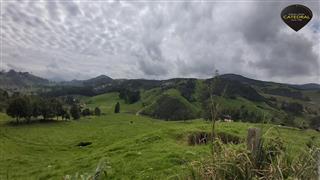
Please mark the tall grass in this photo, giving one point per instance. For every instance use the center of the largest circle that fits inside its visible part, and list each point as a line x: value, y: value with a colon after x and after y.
x: 271, y: 162
x: 99, y: 173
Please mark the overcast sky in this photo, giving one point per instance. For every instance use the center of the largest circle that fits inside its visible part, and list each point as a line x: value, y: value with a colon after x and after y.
x: 158, y: 40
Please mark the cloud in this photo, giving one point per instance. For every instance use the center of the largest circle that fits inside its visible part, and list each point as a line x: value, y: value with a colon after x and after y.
x: 158, y: 40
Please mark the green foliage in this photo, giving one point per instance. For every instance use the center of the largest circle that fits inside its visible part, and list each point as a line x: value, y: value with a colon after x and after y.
x: 4, y: 98
x: 187, y: 89
x: 29, y: 107
x: 36, y: 107
x: 287, y: 92
x: 315, y: 122
x: 86, y: 112
x: 146, y: 149
x: 170, y: 107
x: 271, y: 163
x: 75, y: 112
x: 129, y: 96
x: 97, y: 111
x: 292, y: 107
x: 19, y: 107
x: 56, y: 107
x: 117, y: 108
x: 231, y: 89
x: 46, y: 110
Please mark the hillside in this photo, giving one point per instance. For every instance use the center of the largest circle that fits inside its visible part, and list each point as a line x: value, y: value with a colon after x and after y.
x: 93, y: 82
x: 17, y: 80
x: 125, y: 145
x: 242, y: 98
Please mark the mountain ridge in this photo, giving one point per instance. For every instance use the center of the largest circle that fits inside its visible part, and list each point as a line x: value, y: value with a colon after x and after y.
x: 15, y: 79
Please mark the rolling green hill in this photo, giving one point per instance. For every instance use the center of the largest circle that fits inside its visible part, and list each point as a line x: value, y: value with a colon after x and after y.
x: 171, y: 106
x: 125, y: 145
x: 243, y: 98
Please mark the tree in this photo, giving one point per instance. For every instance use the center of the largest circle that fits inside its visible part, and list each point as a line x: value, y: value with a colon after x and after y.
x: 28, y: 109
x: 18, y: 108
x: 129, y: 96
x: 46, y: 109
x: 57, y: 108
x: 97, y: 111
x: 75, y: 112
x: 36, y: 108
x: 64, y: 113
x: 66, y: 116
x: 117, y: 108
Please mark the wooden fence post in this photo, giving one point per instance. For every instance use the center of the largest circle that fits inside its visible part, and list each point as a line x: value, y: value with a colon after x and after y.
x: 253, y: 139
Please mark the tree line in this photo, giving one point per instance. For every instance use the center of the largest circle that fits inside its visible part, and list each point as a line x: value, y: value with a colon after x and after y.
x: 45, y: 108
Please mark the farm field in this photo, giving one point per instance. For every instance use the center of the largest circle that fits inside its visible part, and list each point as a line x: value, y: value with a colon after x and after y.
x: 127, y: 146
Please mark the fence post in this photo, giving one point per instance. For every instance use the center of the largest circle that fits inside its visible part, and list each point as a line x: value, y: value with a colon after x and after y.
x: 253, y: 139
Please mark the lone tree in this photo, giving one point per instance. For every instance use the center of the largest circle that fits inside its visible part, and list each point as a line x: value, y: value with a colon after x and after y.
x: 97, y: 111
x: 117, y: 108
x: 75, y: 112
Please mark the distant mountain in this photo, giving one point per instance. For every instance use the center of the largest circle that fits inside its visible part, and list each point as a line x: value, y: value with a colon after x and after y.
x: 310, y: 86
x: 15, y: 80
x: 242, y: 79
x: 98, y: 81
x: 93, y: 82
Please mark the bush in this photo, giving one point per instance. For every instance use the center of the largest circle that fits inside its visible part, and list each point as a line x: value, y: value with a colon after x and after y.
x: 272, y: 163
x: 117, y: 108
x: 86, y: 112
x: 97, y: 111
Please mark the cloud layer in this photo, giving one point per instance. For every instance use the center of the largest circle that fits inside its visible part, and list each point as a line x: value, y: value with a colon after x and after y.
x: 158, y: 40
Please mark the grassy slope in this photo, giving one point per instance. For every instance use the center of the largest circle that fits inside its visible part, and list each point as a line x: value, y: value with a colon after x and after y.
x: 153, y: 95
x: 107, y: 102
x: 144, y: 149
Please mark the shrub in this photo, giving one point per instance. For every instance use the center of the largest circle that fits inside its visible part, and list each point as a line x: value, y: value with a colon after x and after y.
x: 86, y: 112
x: 97, y: 111
x: 271, y: 163
x: 197, y: 138
x: 117, y: 108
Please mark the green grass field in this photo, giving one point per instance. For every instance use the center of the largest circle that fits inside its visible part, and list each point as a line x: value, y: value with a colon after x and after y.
x: 133, y: 147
